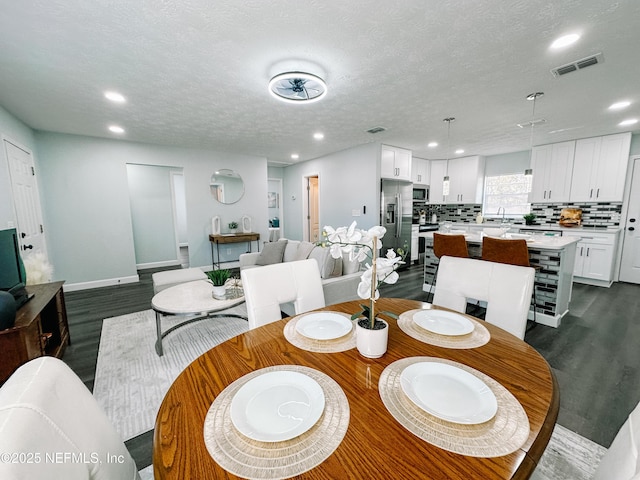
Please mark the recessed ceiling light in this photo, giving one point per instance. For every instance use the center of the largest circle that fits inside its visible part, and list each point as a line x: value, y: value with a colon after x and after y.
x: 318, y: 135
x: 619, y: 105
x: 459, y: 151
x: 565, y: 40
x: 432, y: 144
x: 115, y: 97
x: 297, y: 87
x: 116, y: 129
x: 631, y: 121
x: 295, y: 156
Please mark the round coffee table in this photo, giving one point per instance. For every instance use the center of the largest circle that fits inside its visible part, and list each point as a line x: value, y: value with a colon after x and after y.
x: 193, y: 300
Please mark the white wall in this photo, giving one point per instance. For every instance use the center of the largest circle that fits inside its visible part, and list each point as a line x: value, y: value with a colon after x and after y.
x: 86, y: 202
x: 349, y: 180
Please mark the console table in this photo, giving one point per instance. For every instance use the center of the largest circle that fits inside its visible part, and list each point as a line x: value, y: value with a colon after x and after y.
x: 41, y: 328
x: 231, y: 238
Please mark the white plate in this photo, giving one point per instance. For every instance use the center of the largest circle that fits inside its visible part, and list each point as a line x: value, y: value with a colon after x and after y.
x: 449, y: 392
x: 324, y: 326
x: 443, y: 323
x: 277, y: 406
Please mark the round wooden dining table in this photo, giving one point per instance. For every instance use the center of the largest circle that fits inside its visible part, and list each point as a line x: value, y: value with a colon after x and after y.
x: 375, y: 444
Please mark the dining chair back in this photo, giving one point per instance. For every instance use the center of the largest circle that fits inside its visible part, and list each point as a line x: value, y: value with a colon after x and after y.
x: 47, y: 413
x: 622, y: 460
x: 269, y: 286
x: 505, y: 288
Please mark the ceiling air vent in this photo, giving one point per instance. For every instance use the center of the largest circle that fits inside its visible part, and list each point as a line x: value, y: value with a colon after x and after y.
x: 577, y: 65
x: 376, y: 130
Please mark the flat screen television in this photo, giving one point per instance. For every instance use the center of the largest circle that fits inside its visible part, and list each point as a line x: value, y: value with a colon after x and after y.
x: 12, y: 275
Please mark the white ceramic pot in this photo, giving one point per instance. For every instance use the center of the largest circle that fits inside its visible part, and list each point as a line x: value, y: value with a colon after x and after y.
x: 372, y: 343
x: 219, y: 291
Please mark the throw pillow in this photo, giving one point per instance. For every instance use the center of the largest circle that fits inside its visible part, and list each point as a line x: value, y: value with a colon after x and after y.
x: 271, y: 253
x: 291, y: 251
x: 328, y: 266
x: 304, y: 249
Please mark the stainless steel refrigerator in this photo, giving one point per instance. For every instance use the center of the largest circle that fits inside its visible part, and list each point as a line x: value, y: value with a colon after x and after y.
x: 395, y: 215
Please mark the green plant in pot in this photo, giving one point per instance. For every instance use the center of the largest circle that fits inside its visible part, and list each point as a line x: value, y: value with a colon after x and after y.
x: 233, y: 226
x: 529, y: 218
x: 371, y: 332
x: 218, y: 279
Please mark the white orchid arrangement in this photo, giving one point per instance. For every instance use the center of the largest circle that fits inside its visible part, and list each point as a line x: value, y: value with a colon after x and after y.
x: 362, y: 244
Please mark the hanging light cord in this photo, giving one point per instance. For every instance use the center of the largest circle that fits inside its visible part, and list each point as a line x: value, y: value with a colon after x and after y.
x: 534, y: 97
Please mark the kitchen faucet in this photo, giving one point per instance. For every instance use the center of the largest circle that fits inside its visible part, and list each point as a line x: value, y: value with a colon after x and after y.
x: 503, y: 213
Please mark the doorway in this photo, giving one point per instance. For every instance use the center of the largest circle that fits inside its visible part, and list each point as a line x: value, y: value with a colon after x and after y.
x: 26, y: 200
x: 630, y: 259
x: 158, y: 214
x: 312, y: 209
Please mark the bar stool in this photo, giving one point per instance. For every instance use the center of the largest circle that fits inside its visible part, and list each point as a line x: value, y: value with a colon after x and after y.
x: 449, y: 245
x: 512, y: 252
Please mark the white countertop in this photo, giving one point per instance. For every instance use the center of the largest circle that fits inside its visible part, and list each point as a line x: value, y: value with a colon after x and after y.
x: 533, y: 241
x: 546, y: 228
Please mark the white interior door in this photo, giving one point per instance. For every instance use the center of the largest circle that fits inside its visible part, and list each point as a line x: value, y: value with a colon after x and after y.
x: 630, y: 261
x: 314, y: 220
x: 24, y: 189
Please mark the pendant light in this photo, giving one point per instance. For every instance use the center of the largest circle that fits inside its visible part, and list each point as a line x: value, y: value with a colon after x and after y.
x: 445, y: 180
x: 528, y: 173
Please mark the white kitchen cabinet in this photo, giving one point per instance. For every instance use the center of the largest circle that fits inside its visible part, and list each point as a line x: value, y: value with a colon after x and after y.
x: 395, y: 163
x: 420, y: 171
x: 438, y: 169
x: 552, y: 168
x: 466, y: 180
x: 595, y: 255
x: 599, y: 168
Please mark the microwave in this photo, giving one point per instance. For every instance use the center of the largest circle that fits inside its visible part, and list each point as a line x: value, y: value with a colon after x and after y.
x: 420, y: 194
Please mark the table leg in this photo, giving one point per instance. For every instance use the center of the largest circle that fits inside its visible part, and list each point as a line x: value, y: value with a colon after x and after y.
x: 158, y: 335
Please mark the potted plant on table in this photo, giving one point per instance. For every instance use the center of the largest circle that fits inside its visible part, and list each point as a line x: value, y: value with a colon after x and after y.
x: 529, y: 218
x: 372, y: 333
x: 218, y: 279
x: 233, y: 227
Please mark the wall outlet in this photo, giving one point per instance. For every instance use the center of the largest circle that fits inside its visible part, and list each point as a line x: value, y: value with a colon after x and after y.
x: 459, y: 211
x: 548, y: 212
x: 228, y: 251
x: 355, y: 212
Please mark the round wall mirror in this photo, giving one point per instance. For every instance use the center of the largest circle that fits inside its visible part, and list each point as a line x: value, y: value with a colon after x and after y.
x: 226, y: 186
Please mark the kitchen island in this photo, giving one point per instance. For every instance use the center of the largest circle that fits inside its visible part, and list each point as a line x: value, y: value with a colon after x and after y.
x: 554, y: 255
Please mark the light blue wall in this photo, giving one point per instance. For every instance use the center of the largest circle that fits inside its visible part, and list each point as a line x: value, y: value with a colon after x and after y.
x: 348, y: 180
x: 85, y: 197
x: 14, y: 130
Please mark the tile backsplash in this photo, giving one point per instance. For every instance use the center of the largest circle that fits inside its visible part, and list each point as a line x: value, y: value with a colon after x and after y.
x: 593, y: 214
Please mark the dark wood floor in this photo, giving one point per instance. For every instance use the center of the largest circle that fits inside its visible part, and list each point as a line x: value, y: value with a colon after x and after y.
x: 594, y: 353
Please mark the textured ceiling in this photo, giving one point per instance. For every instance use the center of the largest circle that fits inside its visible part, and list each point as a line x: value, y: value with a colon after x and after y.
x: 195, y: 72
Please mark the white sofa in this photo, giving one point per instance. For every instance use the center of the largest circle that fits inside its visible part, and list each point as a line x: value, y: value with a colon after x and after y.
x: 51, y: 427
x: 340, y: 277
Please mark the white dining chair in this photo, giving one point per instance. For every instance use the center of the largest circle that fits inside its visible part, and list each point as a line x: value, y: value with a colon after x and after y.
x: 268, y: 287
x: 622, y: 459
x: 506, y: 289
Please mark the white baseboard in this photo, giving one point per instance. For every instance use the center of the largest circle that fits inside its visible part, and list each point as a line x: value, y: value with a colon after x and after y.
x: 167, y: 263
x: 72, y: 287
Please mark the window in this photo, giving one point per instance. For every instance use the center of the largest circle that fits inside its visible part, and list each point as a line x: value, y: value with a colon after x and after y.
x: 506, y: 191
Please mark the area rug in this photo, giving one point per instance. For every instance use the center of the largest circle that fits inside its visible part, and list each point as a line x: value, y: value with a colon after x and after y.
x: 131, y: 379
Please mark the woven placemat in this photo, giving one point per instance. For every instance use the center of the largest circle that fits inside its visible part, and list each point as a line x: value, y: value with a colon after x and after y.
x: 248, y: 458
x: 503, y: 434
x: 341, y: 344
x: 480, y: 335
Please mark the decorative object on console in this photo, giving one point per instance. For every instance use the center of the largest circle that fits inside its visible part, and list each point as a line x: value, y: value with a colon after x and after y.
x: 7, y: 310
x: 571, y: 217
x: 245, y: 222
x: 372, y: 333
x: 233, y: 227
x: 215, y: 225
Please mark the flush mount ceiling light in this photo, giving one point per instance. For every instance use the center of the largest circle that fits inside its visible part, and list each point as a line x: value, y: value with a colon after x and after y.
x: 565, y: 41
x: 297, y: 87
x: 116, y: 129
x: 619, y: 105
x: 432, y: 144
x: 115, y: 97
x: 631, y: 121
x: 318, y: 135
